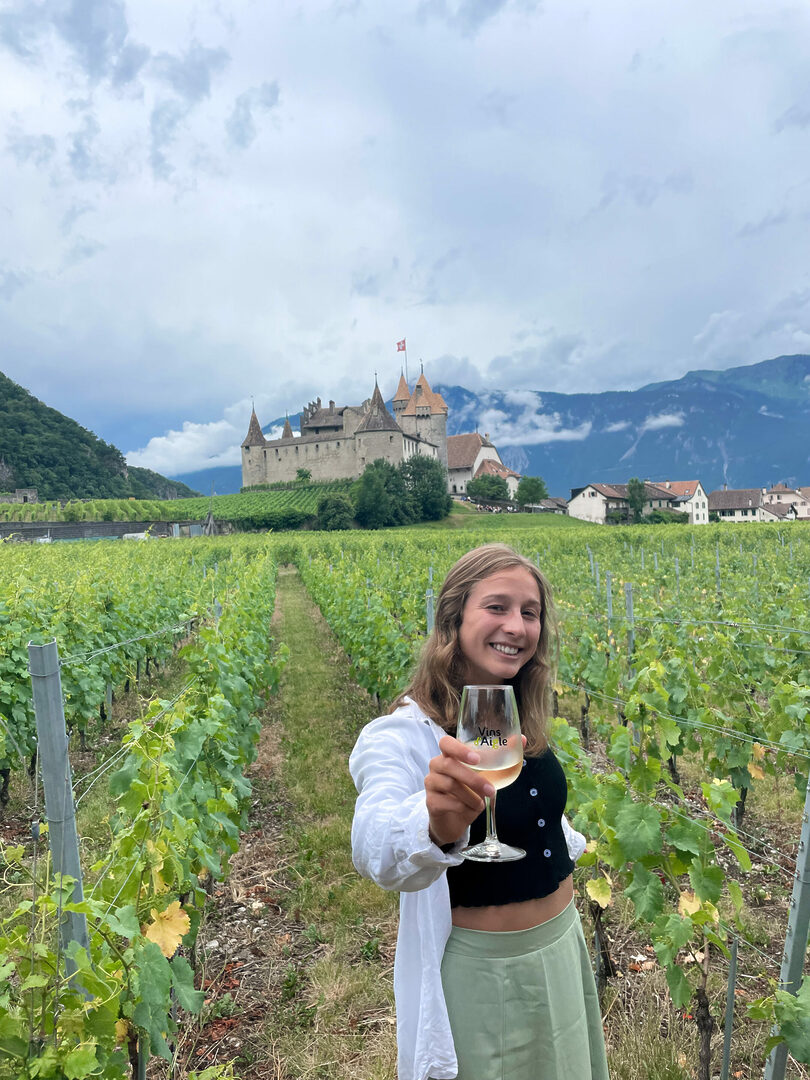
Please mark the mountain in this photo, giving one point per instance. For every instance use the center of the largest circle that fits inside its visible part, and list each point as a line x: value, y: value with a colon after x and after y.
x: 745, y: 427
x: 42, y: 448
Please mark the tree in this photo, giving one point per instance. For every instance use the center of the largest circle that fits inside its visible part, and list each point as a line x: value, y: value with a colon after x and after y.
x: 488, y: 487
x: 636, y: 497
x: 303, y: 475
x: 425, y: 480
x: 372, y: 507
x: 531, y: 489
x: 335, y: 511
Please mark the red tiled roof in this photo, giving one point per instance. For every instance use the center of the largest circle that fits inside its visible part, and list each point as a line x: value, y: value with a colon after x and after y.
x: 680, y: 487
x: 462, y: 450
x: 488, y: 467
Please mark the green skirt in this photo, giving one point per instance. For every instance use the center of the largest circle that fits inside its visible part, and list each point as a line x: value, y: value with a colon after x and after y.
x: 523, y: 1004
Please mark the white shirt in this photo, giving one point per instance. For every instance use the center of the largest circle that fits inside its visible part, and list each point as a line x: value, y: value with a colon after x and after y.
x: 391, y: 846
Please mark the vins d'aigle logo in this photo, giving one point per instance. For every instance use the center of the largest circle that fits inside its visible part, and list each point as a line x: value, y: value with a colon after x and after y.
x: 489, y: 737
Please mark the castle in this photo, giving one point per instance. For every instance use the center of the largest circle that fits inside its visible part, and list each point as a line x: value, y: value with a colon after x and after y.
x: 338, y: 443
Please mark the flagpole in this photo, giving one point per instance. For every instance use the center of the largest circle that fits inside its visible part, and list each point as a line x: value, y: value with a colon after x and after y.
x: 406, y: 362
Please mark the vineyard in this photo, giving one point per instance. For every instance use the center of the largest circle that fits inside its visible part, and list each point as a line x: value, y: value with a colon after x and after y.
x: 285, y: 507
x: 681, y: 707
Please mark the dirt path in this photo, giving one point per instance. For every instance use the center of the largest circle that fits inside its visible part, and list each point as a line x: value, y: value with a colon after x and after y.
x: 274, y: 950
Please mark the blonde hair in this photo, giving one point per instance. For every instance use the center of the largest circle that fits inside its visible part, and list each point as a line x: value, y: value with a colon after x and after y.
x: 438, y: 679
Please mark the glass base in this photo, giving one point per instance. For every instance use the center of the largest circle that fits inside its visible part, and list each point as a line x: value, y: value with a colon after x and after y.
x: 496, y: 852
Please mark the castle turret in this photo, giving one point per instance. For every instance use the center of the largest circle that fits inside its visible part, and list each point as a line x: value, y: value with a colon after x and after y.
x: 401, y: 397
x: 253, y: 453
x: 426, y: 415
x: 287, y: 433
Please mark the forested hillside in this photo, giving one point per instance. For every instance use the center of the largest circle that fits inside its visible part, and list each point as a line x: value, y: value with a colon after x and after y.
x: 42, y: 448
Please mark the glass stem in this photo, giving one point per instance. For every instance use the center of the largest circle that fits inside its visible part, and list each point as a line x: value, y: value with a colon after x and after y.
x: 491, y: 840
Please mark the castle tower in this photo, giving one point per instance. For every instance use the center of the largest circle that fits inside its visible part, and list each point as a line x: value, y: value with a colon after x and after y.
x: 401, y: 397
x: 253, y: 454
x: 426, y: 415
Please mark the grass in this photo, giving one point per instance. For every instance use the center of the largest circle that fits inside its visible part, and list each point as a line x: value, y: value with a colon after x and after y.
x: 334, y: 1014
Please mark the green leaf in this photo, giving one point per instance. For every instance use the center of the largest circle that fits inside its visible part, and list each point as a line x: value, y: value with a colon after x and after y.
x: 679, y: 989
x: 707, y: 881
x: 638, y: 830
x: 732, y: 841
x: 735, y: 892
x: 81, y: 1061
x: 687, y: 836
x: 124, y: 921
x: 183, y: 981
x: 646, y: 892
x: 621, y: 748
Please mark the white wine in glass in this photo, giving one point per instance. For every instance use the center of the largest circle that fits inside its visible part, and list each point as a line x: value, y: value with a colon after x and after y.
x: 488, y: 723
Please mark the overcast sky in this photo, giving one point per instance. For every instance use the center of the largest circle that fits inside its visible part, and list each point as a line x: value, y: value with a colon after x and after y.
x: 207, y: 202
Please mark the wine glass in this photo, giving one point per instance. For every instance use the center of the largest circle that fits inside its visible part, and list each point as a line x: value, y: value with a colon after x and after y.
x: 488, y: 723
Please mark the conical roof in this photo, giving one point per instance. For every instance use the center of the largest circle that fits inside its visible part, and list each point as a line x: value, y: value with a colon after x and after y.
x: 423, y: 395
x: 377, y: 417
x: 254, y: 436
x: 403, y: 393
x: 287, y: 433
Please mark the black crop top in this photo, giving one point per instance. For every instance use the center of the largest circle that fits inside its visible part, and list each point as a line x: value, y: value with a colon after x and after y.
x: 528, y: 815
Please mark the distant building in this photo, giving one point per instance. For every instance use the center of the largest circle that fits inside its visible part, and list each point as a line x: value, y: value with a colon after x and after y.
x: 690, y: 498
x: 740, y: 504
x: 470, y: 456
x: 780, y: 495
x: 21, y: 495
x: 337, y: 443
x: 595, y: 502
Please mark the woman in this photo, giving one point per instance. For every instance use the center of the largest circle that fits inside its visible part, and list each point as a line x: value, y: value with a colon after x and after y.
x: 492, y: 977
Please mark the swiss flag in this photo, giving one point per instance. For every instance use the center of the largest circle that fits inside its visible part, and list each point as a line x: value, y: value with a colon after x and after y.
x: 401, y: 345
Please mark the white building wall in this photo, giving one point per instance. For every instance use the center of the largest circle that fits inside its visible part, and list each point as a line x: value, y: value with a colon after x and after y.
x: 589, y: 505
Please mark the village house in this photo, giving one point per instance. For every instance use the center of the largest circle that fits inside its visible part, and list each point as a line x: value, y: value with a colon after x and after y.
x: 690, y: 498
x: 740, y: 504
x: 472, y: 455
x: 780, y: 495
x: 595, y: 502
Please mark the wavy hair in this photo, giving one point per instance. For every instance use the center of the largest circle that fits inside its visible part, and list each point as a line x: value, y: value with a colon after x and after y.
x: 439, y: 675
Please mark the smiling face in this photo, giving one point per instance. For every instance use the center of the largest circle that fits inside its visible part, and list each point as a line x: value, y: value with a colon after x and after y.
x: 500, y: 625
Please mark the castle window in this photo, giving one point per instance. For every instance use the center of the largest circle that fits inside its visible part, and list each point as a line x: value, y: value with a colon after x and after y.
x: 316, y: 446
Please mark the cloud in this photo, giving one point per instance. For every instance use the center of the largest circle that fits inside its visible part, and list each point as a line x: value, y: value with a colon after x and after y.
x: 193, y: 447
x: 662, y: 420
x: 84, y: 163
x: 11, y: 281
x: 529, y: 427
x: 190, y: 75
x: 618, y: 425
x: 240, y: 125
x: 770, y: 221
x: 796, y: 116
x: 36, y: 149
x: 196, y: 446
x: 467, y: 16
x: 166, y: 118
x: 641, y: 190
x: 765, y: 411
x: 82, y: 249
x: 95, y: 32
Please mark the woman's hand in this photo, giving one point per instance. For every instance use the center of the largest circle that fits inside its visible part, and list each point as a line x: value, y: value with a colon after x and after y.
x: 455, y: 792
